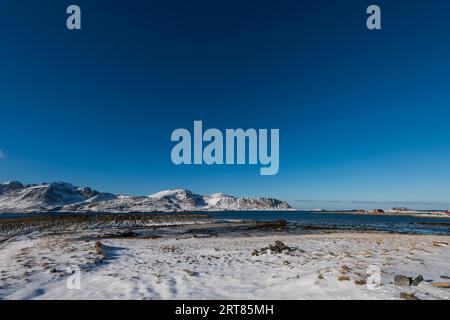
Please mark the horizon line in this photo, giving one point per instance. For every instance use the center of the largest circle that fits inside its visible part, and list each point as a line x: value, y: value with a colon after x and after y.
x: 374, y: 202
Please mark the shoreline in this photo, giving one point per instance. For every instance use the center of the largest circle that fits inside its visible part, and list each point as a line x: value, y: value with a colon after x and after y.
x: 416, y: 214
x: 353, y: 212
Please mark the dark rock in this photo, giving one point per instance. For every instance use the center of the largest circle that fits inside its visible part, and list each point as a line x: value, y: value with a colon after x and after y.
x: 360, y: 282
x: 416, y: 281
x: 278, y: 247
x: 125, y: 234
x: 129, y: 234
x: 100, y: 249
x: 401, y: 280
x: 344, y: 278
x: 191, y: 273
x: 408, y: 296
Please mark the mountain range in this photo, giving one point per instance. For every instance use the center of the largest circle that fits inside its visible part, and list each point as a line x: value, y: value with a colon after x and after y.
x: 16, y: 197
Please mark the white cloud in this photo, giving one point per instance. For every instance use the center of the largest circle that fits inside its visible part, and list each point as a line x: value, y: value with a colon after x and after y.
x: 2, y: 155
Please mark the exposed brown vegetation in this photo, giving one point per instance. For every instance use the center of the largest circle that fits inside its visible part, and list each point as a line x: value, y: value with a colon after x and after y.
x: 63, y: 222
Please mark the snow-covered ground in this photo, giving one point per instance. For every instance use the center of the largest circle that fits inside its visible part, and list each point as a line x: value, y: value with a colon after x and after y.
x: 321, y: 266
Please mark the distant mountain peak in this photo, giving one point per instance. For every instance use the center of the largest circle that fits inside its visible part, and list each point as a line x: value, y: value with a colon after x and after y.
x: 171, y: 193
x: 14, y: 182
x: 220, y: 195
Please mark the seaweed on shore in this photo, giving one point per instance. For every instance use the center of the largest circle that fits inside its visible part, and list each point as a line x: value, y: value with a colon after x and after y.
x: 271, y: 225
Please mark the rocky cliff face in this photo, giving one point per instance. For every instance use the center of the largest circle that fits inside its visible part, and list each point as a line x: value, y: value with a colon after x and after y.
x: 64, y: 197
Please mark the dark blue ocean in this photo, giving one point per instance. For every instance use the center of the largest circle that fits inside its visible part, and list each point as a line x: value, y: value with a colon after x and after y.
x: 385, y: 223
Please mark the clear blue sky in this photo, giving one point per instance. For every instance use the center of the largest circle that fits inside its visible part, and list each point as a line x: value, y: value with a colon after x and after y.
x: 362, y: 115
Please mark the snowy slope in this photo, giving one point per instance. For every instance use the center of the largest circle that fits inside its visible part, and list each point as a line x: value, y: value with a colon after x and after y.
x: 15, y: 196
x: 61, y: 196
x: 185, y: 199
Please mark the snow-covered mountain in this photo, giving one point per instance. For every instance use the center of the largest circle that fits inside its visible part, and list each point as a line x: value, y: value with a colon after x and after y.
x: 64, y: 197
x: 14, y: 196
